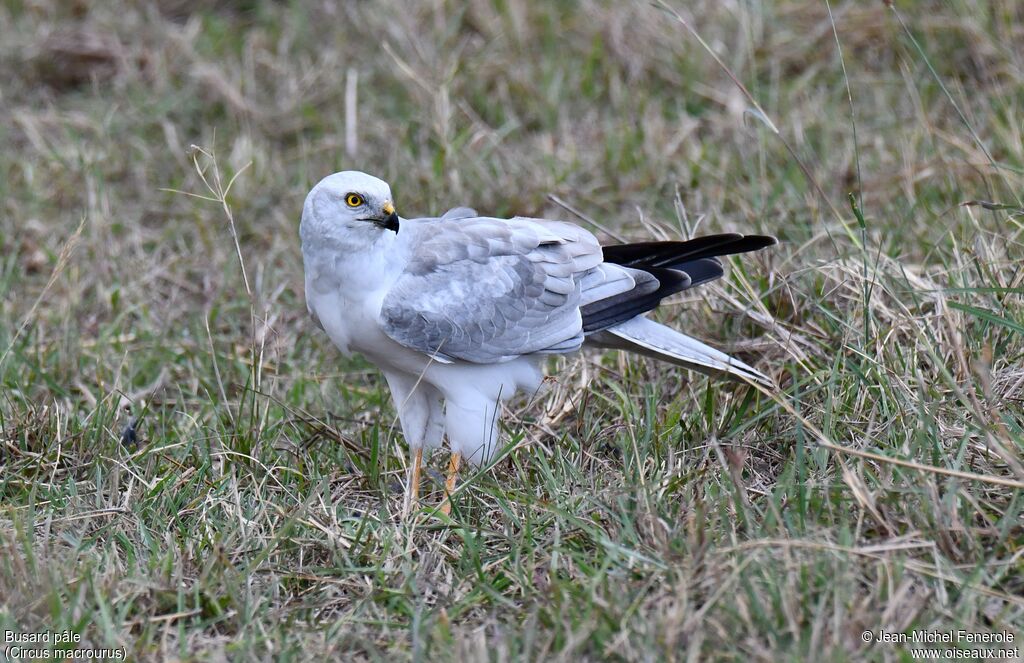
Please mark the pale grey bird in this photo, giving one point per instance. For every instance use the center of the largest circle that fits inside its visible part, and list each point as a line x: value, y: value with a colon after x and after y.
x: 460, y: 312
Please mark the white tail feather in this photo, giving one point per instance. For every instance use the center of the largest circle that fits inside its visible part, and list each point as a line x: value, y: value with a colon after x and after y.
x: 660, y: 342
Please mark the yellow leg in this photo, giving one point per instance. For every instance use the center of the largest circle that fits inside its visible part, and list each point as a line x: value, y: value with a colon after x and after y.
x: 412, y: 492
x: 449, y: 484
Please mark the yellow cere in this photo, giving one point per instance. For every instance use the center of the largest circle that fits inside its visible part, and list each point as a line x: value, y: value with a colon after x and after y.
x: 388, y: 208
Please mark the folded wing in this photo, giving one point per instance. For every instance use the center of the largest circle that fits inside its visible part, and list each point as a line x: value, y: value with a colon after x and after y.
x: 488, y: 290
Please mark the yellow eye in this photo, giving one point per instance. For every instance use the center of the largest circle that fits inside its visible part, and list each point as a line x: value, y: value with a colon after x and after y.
x: 353, y: 200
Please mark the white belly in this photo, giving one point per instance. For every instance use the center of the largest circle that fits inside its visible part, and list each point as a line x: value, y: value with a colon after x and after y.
x: 467, y: 382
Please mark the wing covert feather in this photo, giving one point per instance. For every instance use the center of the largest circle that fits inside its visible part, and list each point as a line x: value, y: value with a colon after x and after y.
x: 487, y: 290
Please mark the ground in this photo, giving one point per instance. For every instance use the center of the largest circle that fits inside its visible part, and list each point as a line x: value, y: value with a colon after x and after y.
x: 638, y: 512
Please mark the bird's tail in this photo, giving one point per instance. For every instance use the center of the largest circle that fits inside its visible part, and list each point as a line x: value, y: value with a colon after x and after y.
x: 655, y: 340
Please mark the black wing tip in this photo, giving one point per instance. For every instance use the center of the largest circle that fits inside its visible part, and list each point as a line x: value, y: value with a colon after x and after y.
x: 670, y: 280
x: 702, y: 270
x: 677, y: 265
x: 608, y: 312
x: 744, y: 244
x: 671, y: 253
x: 762, y: 241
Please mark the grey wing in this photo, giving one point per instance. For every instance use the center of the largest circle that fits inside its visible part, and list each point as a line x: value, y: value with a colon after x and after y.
x: 459, y: 213
x: 488, y: 290
x: 453, y: 214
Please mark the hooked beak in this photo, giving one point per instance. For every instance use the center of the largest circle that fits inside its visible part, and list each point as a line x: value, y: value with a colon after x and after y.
x: 389, y: 220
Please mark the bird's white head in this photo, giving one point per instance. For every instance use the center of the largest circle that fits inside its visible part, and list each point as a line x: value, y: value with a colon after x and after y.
x: 348, y: 208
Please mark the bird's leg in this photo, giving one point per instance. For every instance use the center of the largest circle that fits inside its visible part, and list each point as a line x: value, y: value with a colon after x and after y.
x: 412, y: 491
x: 449, y: 484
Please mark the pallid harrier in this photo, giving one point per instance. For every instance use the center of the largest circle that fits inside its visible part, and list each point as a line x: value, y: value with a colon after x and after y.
x: 459, y: 312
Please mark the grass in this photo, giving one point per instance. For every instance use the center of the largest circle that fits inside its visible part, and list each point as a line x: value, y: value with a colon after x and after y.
x: 638, y: 512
